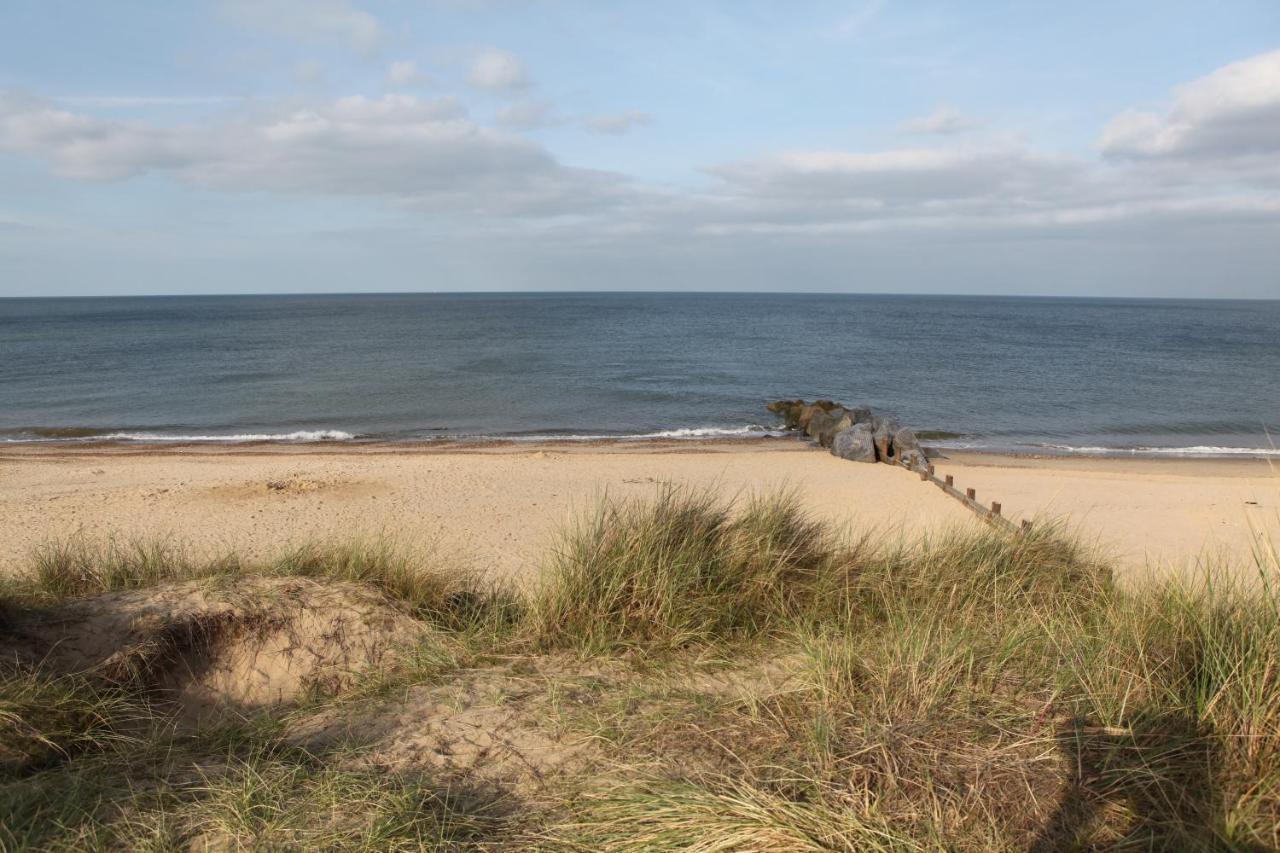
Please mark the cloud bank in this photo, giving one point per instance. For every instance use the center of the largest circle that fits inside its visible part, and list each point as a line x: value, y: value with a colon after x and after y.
x: 1209, y: 161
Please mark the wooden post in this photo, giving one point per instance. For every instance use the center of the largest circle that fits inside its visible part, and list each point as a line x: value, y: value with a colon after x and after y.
x: 951, y: 481
x: 971, y: 494
x: 924, y: 475
x: 930, y: 469
x: 995, y: 508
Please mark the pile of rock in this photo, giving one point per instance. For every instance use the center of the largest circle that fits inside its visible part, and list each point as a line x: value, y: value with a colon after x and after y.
x: 854, y: 433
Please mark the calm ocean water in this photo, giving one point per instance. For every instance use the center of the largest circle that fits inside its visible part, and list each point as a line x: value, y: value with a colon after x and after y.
x: 1066, y: 375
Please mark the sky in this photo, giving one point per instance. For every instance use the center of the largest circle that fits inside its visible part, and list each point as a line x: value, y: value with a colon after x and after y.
x: 280, y: 146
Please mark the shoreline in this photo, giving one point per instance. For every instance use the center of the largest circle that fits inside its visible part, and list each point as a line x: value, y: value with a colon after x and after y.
x: 935, y: 451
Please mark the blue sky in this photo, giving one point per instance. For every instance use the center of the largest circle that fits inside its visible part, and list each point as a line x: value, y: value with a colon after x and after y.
x: 338, y: 145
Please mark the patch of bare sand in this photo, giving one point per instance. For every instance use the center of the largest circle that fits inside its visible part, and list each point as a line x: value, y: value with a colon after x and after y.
x: 488, y: 726
x: 205, y: 647
x: 520, y: 725
x: 1149, y: 515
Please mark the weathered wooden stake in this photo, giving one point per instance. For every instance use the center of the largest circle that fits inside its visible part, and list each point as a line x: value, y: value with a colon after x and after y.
x: 995, y: 508
x: 971, y: 494
x: 929, y: 468
x: 950, y: 480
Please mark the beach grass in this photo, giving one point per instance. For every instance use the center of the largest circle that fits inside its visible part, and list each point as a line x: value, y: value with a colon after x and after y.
x: 77, y: 567
x: 743, y: 678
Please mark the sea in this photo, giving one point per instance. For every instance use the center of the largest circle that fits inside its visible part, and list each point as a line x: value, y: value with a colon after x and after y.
x: 1090, y: 376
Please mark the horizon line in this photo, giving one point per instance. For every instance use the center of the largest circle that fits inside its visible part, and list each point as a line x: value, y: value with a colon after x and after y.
x: 650, y: 292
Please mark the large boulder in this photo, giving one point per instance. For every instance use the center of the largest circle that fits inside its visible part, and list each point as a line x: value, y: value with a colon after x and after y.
x: 855, y: 443
x: 884, y: 429
x: 835, y: 421
x: 806, y: 414
x: 843, y: 419
x: 860, y: 414
x: 788, y: 410
x: 820, y: 427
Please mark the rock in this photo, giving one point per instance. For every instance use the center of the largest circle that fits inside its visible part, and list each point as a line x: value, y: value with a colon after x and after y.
x: 806, y: 414
x: 842, y: 419
x: 820, y: 424
x: 856, y: 443
x: 861, y: 414
x: 884, y: 431
x: 788, y: 410
x: 836, y: 421
x: 825, y: 421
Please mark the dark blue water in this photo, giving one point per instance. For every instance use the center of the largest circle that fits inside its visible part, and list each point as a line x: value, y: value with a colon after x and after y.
x: 1174, y: 376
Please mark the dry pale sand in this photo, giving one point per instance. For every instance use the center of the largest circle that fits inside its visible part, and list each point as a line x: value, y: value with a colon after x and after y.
x: 497, y: 508
x: 1159, y: 514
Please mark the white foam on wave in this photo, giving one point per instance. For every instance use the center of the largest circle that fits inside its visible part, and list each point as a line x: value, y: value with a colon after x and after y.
x: 1193, y: 450
x: 1199, y: 450
x: 710, y: 432
x: 300, y: 435
x: 683, y: 433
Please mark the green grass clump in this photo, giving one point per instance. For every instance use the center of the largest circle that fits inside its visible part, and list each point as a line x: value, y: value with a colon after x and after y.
x: 238, y: 787
x: 46, y: 718
x: 80, y: 567
x: 718, y: 814
x: 268, y: 802
x: 450, y: 596
x: 679, y: 570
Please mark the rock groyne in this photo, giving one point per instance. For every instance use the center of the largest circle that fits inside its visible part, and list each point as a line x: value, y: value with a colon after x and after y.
x: 852, y: 432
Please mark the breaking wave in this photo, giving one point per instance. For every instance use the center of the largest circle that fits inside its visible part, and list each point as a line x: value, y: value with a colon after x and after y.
x: 81, y: 435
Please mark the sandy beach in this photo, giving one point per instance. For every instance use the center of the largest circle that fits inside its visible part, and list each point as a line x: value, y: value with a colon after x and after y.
x: 496, y: 508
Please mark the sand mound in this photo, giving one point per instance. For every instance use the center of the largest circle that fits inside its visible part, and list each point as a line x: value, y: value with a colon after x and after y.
x: 234, y: 643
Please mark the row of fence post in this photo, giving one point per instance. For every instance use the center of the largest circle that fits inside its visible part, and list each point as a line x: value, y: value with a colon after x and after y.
x: 969, y: 497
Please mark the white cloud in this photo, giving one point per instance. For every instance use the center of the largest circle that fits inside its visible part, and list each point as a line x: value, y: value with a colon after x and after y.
x: 405, y: 73
x: 1231, y: 113
x: 429, y: 154
x: 898, y: 176
x: 943, y: 121
x: 422, y: 152
x: 85, y: 147
x: 528, y: 115
x: 309, y: 20
x: 497, y: 70
x: 617, y: 124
